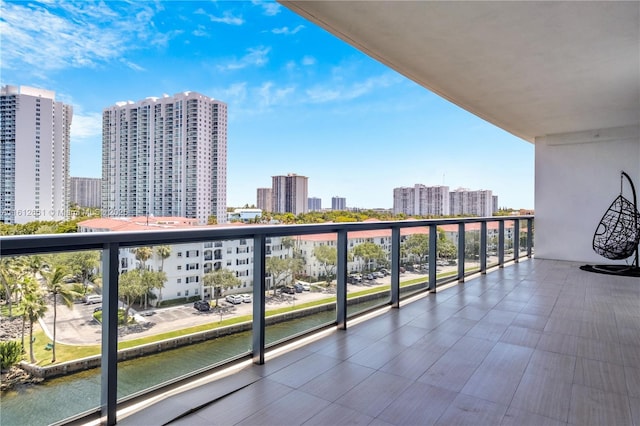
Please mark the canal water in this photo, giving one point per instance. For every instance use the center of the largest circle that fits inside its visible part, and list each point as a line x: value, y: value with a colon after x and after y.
x: 59, y: 398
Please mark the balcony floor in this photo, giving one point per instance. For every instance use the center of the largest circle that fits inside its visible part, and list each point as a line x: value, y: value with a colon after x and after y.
x: 536, y: 343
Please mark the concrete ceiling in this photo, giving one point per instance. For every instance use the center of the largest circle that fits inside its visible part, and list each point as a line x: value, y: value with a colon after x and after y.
x: 532, y: 68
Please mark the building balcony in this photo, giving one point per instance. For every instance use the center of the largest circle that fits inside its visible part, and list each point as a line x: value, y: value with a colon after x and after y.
x: 463, y: 305
x: 525, y: 341
x: 538, y: 342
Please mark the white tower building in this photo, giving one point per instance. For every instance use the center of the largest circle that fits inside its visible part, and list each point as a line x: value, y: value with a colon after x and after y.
x: 34, y: 155
x: 165, y: 157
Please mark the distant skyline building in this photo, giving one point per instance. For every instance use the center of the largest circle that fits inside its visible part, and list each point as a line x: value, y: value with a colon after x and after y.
x: 85, y: 192
x: 289, y: 193
x: 314, y: 204
x: 264, y: 199
x: 421, y: 200
x: 165, y: 157
x: 473, y: 203
x: 338, y: 203
x: 34, y: 155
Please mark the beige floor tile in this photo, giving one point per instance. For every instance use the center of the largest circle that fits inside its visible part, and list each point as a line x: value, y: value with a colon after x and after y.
x: 543, y: 395
x: 594, y: 407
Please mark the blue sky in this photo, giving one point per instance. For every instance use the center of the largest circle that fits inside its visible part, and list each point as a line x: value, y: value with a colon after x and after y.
x: 300, y: 100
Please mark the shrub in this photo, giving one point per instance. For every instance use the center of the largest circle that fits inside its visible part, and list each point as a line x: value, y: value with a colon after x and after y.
x: 10, y: 354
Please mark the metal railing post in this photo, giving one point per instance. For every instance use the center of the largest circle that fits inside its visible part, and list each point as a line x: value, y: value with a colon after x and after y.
x: 501, y: 244
x: 483, y: 247
x: 395, y: 267
x: 461, y: 242
x: 109, y: 351
x: 433, y: 254
x: 341, y: 278
x: 516, y: 240
x: 529, y: 237
x: 259, y: 322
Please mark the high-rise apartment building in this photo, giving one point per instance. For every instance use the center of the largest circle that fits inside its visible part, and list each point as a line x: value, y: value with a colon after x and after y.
x: 338, y: 203
x: 474, y: 203
x: 314, y: 204
x: 264, y: 199
x: 421, y: 200
x: 289, y: 193
x: 34, y: 155
x: 85, y: 192
x: 165, y: 157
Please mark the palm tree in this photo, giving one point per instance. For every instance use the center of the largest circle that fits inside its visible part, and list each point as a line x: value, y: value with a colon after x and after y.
x: 33, y: 307
x: 142, y: 255
x: 54, y: 282
x: 11, y: 272
x: 164, y: 252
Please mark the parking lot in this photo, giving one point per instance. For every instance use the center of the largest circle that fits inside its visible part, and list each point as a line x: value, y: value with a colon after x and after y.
x: 77, y: 326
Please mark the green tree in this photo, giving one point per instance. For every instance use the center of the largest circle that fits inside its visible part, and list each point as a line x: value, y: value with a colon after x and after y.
x: 10, y: 354
x: 369, y: 252
x: 163, y: 252
x: 142, y: 255
x: 417, y: 245
x: 54, y: 283
x: 79, y: 264
x: 33, y: 306
x: 11, y: 273
x: 220, y: 280
x: 328, y: 257
x: 446, y: 249
x: 282, y: 271
x: 152, y: 280
x: 130, y: 287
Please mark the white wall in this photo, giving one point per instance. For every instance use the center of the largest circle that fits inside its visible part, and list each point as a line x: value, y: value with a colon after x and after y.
x: 577, y: 177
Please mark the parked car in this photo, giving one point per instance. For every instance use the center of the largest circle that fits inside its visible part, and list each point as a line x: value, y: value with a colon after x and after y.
x: 202, y: 305
x: 298, y: 287
x: 369, y: 277
x: 97, y: 309
x: 305, y: 286
x: 234, y: 298
x: 247, y: 298
x: 385, y: 272
x: 378, y: 274
x: 289, y: 289
x: 93, y: 298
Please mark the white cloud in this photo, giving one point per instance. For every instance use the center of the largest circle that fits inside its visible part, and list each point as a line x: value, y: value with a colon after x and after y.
x: 334, y: 91
x: 287, y: 31
x: 308, y: 60
x: 255, y: 57
x: 226, y: 18
x: 68, y: 34
x: 270, y: 8
x: 269, y: 95
x: 85, y: 126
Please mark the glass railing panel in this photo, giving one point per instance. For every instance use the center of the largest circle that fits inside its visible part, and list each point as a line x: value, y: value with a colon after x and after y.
x: 300, y: 285
x: 493, y: 240
x: 29, y: 285
x: 447, y: 253
x: 471, y: 248
x: 368, y: 253
x: 509, y: 235
x: 175, y: 308
x: 522, y: 249
x: 414, y: 261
